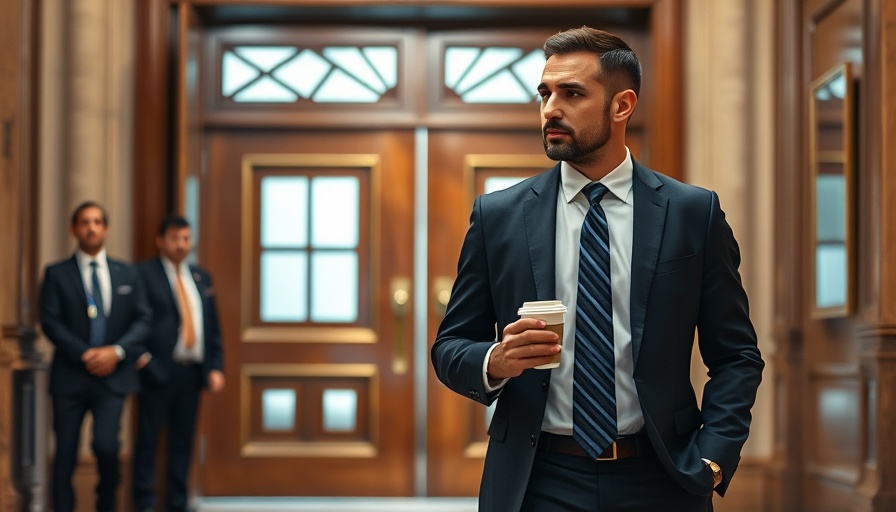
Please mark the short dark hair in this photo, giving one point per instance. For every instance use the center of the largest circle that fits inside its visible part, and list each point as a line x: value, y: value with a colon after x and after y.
x: 85, y: 205
x: 618, y: 63
x: 172, y: 221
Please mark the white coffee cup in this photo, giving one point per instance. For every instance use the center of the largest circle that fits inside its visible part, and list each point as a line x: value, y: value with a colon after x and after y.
x: 552, y: 312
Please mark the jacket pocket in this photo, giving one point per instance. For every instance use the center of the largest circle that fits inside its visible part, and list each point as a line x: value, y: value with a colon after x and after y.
x: 676, y: 264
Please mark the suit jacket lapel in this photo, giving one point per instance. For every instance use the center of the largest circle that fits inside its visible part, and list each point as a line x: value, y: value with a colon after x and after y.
x: 73, y: 274
x: 649, y: 221
x: 540, y: 212
x: 114, y: 281
x: 200, y: 288
x: 161, y: 280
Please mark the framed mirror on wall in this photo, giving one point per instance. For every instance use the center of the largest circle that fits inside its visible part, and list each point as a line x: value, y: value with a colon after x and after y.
x: 831, y: 157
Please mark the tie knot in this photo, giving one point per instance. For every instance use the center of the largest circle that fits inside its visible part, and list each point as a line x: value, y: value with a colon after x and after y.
x: 595, y: 192
x: 94, y: 264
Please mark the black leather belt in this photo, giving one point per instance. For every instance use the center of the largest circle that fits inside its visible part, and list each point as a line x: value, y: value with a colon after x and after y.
x: 623, y: 448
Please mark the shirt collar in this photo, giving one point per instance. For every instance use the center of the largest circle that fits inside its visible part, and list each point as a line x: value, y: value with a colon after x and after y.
x: 618, y: 181
x: 171, y: 267
x: 84, y: 259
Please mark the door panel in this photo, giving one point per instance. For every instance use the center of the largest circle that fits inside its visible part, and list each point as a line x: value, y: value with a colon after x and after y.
x: 463, y: 164
x: 306, y: 234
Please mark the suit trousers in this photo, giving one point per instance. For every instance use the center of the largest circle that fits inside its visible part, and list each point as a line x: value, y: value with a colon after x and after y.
x: 174, y: 404
x: 571, y: 483
x: 105, y: 406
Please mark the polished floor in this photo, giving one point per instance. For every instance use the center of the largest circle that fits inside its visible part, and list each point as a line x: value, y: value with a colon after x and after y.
x: 336, y: 505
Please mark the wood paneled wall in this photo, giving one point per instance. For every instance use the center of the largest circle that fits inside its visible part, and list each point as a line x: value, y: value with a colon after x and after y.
x: 835, y: 448
x: 18, y: 81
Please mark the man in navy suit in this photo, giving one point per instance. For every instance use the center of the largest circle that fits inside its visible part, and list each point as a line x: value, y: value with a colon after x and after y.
x: 184, y: 355
x: 94, y: 311
x: 671, y: 271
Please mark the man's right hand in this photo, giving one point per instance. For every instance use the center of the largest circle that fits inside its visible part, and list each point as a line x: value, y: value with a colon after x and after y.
x: 526, y: 344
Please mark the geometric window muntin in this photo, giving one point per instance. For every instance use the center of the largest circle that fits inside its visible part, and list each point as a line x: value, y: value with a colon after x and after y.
x: 287, y: 74
x: 493, y: 75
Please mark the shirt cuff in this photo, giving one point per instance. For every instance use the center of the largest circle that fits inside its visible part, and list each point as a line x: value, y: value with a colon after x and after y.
x: 119, y: 351
x: 491, y: 385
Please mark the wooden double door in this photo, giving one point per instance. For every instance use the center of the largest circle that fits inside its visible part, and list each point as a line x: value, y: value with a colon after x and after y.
x: 330, y: 174
x: 316, y: 243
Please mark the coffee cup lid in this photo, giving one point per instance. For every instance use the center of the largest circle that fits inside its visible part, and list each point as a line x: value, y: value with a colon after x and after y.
x: 542, y: 306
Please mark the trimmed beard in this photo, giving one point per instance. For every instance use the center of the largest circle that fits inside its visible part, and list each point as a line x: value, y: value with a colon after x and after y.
x: 573, y: 151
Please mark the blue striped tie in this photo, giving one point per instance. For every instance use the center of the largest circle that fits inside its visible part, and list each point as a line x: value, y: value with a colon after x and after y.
x: 594, y: 387
x: 95, y: 300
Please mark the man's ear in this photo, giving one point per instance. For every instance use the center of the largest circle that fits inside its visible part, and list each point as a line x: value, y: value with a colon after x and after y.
x: 624, y: 105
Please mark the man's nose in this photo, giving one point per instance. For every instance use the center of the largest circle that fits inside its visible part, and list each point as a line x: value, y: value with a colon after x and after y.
x: 550, y: 110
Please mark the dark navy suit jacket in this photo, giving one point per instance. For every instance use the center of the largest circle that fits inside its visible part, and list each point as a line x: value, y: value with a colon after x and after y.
x: 166, y: 322
x: 63, y: 317
x: 684, y: 278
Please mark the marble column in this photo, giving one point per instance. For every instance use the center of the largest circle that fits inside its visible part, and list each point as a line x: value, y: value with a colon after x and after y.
x: 729, y: 87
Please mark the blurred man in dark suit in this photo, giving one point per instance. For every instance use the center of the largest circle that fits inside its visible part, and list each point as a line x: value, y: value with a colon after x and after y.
x: 94, y: 311
x: 183, y: 356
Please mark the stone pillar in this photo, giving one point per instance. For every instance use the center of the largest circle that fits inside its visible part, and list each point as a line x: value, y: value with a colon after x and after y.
x: 729, y: 88
x: 98, y: 106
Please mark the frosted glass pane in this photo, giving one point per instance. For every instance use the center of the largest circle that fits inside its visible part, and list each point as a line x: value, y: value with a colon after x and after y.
x: 340, y: 410
x: 235, y: 73
x: 831, y: 211
x: 191, y: 213
x: 284, y: 286
x: 284, y: 211
x: 837, y: 86
x: 266, y: 57
x: 334, y: 212
x: 491, y: 61
x: 830, y: 275
x: 278, y: 409
x: 496, y: 183
x: 266, y: 90
x: 304, y: 73
x: 528, y: 71
x: 501, y: 88
x: 385, y: 61
x: 334, y: 293
x: 352, y: 61
x: 457, y: 60
x: 342, y: 88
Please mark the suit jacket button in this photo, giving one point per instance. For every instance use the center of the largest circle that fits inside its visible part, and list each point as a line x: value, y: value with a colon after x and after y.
x: 544, y: 386
x: 532, y: 440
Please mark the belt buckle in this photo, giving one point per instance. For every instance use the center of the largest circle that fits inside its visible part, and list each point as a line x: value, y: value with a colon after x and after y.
x: 611, y: 457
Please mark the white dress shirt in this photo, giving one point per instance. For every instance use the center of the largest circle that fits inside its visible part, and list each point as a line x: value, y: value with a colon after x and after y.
x: 181, y: 353
x: 102, y: 274
x: 572, y: 205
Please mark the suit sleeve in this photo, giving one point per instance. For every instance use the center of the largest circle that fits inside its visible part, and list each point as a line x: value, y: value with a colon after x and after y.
x: 468, y: 329
x: 52, y: 310
x: 213, y: 346
x: 728, y: 347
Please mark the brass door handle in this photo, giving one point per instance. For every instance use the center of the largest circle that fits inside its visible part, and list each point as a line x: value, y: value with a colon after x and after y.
x: 441, y: 294
x: 401, y: 298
